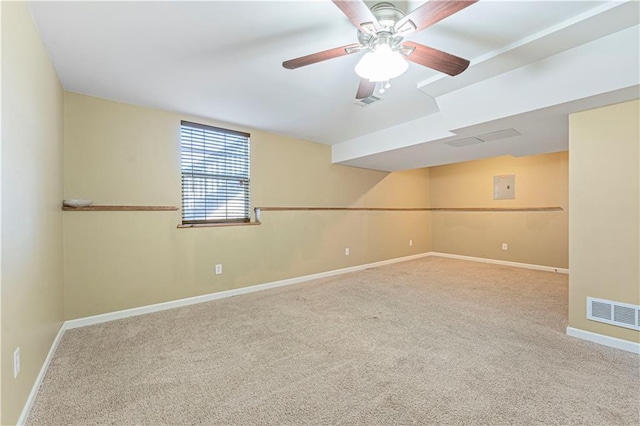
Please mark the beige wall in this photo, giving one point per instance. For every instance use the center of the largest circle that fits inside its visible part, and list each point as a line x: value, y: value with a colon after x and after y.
x: 32, y: 119
x: 122, y: 154
x: 605, y: 212
x: 0, y: 219
x: 538, y: 238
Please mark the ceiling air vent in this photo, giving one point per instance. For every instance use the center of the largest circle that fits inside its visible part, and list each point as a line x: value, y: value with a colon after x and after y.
x: 368, y: 101
x: 464, y: 142
x: 614, y: 313
x: 500, y: 134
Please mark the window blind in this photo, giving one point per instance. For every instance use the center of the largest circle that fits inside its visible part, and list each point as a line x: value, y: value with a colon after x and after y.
x: 215, y: 174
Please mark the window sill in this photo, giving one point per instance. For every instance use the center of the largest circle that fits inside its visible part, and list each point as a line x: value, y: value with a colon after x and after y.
x: 218, y: 225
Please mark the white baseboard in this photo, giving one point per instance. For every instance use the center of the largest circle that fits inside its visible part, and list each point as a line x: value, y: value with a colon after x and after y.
x: 601, y: 339
x: 43, y: 370
x: 111, y: 316
x: 502, y: 262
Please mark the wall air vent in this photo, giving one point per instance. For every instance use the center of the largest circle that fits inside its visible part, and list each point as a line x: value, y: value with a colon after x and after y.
x: 614, y: 313
x: 500, y: 134
x: 368, y: 101
x: 464, y: 142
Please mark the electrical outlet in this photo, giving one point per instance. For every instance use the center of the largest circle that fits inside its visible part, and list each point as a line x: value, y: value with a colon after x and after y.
x: 505, y: 246
x: 219, y: 269
x: 16, y: 363
x: 346, y: 251
x: 410, y: 243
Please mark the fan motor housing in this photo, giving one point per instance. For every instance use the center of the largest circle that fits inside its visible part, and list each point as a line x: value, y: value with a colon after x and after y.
x: 387, y: 15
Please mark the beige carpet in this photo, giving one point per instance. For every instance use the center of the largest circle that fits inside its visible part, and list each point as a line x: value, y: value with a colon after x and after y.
x: 432, y: 341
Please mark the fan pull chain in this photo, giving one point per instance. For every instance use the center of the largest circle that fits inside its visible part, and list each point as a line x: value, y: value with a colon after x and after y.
x: 383, y: 86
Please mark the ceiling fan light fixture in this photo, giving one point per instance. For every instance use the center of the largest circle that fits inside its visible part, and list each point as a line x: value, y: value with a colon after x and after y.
x: 382, y: 64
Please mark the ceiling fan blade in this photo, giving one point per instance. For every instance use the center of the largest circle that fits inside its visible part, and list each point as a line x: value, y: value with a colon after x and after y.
x: 429, y: 13
x: 321, y: 56
x: 434, y: 58
x: 359, y: 14
x: 365, y: 89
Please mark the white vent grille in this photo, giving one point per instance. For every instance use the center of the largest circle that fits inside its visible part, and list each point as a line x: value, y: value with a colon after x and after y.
x: 464, y: 142
x: 368, y: 101
x: 500, y: 134
x: 614, y: 313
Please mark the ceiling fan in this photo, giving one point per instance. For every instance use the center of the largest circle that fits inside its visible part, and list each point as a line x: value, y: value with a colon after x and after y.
x: 381, y: 33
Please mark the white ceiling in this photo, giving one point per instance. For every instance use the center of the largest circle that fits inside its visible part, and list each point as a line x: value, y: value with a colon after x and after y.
x: 222, y: 60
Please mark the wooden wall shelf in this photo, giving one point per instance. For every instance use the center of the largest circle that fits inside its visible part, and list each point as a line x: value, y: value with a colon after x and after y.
x: 454, y: 209
x: 497, y: 209
x: 259, y: 210
x: 119, y: 208
x: 279, y: 209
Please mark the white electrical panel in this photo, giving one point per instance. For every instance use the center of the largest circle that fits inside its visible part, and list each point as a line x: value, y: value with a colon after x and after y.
x: 504, y: 187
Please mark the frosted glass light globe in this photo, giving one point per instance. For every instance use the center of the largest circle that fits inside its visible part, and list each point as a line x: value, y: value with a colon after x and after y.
x: 381, y: 65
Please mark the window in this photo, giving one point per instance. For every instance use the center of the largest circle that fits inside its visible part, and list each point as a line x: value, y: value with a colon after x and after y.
x: 215, y: 174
